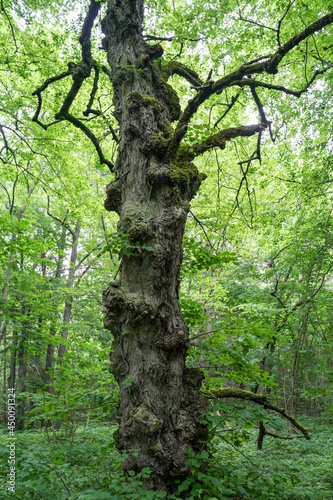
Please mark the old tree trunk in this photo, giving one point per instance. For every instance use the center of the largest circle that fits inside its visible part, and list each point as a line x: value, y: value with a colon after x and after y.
x: 155, y: 179
x: 160, y: 401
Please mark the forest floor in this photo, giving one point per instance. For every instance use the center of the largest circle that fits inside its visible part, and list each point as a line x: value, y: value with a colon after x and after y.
x: 87, y: 466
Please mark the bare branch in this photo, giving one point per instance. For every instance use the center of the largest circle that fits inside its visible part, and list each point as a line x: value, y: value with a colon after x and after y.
x: 241, y: 18
x: 282, y: 250
x: 180, y: 51
x: 249, y: 82
x: 89, y: 265
x: 10, y: 24
x: 87, y: 255
x: 61, y: 222
x: 6, y: 142
x: 270, y: 66
x: 202, y: 227
x: 259, y: 104
x: 38, y: 93
x: 281, y: 21
x: 248, y: 162
x: 8, y: 195
x: 75, y: 121
x: 93, y: 91
x: 234, y: 99
x: 79, y: 73
x: 260, y: 399
x: 169, y: 39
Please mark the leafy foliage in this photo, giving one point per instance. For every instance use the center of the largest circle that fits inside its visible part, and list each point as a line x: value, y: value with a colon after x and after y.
x: 256, y: 275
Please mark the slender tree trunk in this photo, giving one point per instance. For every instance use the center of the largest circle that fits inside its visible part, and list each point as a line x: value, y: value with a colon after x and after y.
x: 296, y: 361
x: 12, y: 364
x: 261, y: 435
x: 49, y: 358
x: 22, y: 372
x: 4, y: 295
x: 160, y: 399
x: 70, y: 284
x: 4, y: 336
x: 37, y: 370
x: 5, y: 288
x: 51, y: 347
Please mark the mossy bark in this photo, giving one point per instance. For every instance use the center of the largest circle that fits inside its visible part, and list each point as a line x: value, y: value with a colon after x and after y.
x: 160, y: 400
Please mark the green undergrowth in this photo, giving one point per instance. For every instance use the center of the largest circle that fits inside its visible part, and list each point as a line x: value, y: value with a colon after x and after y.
x: 90, y: 468
x: 295, y: 469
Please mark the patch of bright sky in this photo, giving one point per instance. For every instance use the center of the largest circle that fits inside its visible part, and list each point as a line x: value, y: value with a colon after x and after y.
x: 65, y: 16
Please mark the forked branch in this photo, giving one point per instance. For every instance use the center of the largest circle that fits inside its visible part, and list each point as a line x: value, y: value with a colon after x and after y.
x: 240, y: 76
x: 79, y: 72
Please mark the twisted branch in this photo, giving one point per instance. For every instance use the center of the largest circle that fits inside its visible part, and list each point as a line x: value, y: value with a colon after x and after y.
x: 79, y: 73
x: 260, y: 399
x: 268, y: 65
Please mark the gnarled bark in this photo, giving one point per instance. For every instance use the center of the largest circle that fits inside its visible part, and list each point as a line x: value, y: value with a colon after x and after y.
x: 160, y: 398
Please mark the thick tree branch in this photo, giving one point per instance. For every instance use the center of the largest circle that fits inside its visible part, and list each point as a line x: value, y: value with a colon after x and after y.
x: 270, y: 66
x: 79, y: 73
x: 177, y: 68
x: 260, y: 399
x: 38, y: 93
x: 169, y: 39
x: 93, y: 92
x: 83, y: 69
x: 220, y: 138
x: 249, y: 82
x: 111, y: 131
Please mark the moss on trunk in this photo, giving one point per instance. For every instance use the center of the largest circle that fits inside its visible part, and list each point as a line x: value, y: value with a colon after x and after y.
x: 160, y: 400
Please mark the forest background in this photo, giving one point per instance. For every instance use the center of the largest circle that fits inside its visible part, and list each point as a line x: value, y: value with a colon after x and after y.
x: 256, y: 277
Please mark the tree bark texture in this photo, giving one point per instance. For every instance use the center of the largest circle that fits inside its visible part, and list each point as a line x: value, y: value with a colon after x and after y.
x: 160, y: 399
